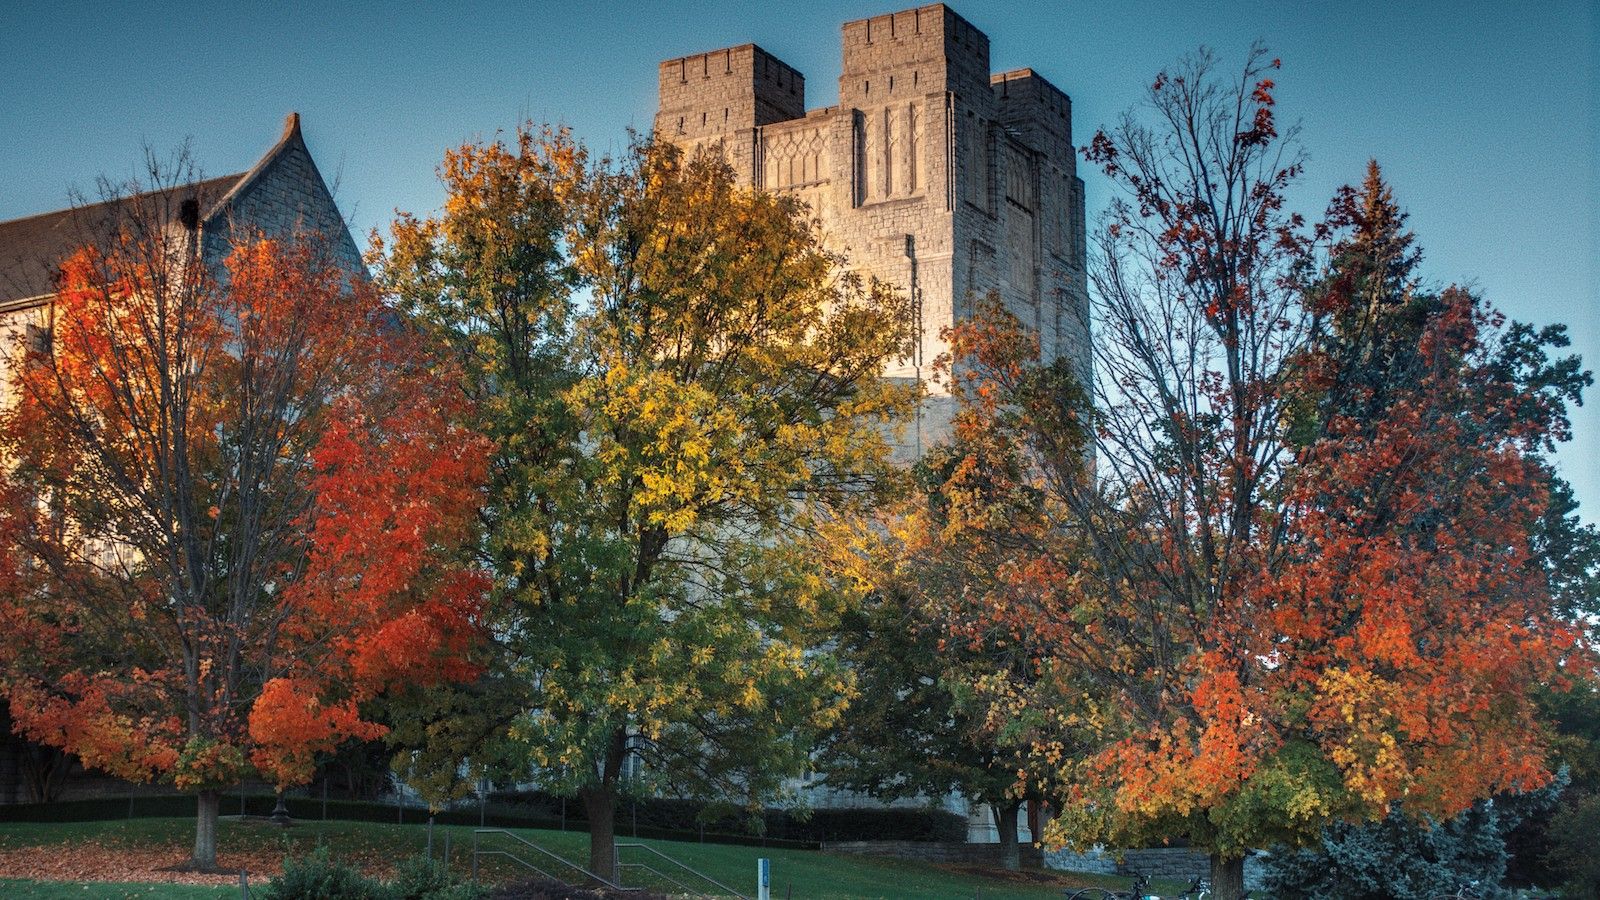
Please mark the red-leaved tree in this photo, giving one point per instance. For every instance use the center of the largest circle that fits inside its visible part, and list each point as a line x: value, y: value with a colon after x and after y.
x: 235, y: 500
x: 1278, y: 565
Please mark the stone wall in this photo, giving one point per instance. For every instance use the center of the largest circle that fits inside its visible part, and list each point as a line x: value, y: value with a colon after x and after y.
x: 1176, y: 863
x: 1096, y: 861
x: 284, y: 195
x: 931, y: 173
x: 1171, y: 863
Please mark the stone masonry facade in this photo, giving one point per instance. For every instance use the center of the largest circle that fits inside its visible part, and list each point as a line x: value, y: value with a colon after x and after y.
x: 283, y: 195
x: 931, y: 173
x: 1175, y: 863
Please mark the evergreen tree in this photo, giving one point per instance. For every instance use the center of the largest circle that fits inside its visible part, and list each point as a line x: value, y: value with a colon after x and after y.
x: 1400, y: 858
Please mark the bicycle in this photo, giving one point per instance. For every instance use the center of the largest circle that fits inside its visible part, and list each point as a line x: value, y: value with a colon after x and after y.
x: 1467, y: 891
x: 1139, y: 890
x: 1198, y: 889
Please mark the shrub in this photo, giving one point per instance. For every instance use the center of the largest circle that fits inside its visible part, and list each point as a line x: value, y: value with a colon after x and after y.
x: 1397, y: 858
x: 319, y: 876
x: 672, y: 818
x: 303, y: 808
x: 657, y: 818
x: 420, y: 878
x: 100, y: 808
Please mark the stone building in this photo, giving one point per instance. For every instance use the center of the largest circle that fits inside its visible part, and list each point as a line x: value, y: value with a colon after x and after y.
x: 283, y: 194
x: 930, y: 173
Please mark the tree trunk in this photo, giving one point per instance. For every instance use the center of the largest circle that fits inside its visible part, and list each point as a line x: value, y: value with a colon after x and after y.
x: 600, y: 802
x: 205, y: 831
x: 1005, y: 822
x: 1227, y: 877
x: 44, y: 768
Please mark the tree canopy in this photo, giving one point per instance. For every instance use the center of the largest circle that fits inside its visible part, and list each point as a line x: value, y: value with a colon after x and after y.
x: 234, y: 503
x: 1279, y: 564
x: 680, y: 383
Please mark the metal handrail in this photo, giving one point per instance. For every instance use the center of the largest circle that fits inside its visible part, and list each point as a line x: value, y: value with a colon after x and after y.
x: 663, y: 876
x: 517, y: 859
x: 695, y: 872
x: 555, y: 856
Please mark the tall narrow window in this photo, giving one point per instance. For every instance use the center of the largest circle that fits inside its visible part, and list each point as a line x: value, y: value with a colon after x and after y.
x: 891, y: 148
x: 860, y: 158
x: 39, y: 339
x: 913, y: 146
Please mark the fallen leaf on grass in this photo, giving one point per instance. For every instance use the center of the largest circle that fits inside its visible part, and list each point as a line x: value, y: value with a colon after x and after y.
x: 162, y: 864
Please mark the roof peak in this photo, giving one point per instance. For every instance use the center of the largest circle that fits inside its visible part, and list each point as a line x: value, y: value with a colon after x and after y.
x: 291, y: 135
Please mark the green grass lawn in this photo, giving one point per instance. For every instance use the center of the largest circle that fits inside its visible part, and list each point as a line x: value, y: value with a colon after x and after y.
x: 795, y: 873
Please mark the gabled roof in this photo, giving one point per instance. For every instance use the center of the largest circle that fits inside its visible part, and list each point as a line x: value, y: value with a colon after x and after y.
x: 32, y: 248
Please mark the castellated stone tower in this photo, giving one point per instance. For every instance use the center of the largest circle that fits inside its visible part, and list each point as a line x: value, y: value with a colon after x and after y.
x: 931, y: 173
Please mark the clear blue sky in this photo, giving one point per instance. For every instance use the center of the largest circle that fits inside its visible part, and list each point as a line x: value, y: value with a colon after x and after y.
x: 1483, y: 114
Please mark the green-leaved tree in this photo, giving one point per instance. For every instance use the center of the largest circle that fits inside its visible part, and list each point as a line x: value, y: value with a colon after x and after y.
x: 681, y: 384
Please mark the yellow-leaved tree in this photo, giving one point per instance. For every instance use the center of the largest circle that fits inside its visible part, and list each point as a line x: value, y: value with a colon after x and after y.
x: 681, y: 383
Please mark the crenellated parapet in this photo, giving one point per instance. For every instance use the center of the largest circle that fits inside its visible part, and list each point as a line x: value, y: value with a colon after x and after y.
x: 930, y: 172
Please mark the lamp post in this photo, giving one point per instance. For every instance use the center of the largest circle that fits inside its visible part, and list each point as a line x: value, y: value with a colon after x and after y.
x: 280, y: 813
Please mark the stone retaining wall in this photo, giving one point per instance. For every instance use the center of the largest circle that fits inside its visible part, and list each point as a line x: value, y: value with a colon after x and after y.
x: 1097, y: 861
x: 1176, y: 863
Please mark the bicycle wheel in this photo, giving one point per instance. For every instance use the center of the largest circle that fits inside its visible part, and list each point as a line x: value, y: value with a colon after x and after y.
x: 1095, y: 894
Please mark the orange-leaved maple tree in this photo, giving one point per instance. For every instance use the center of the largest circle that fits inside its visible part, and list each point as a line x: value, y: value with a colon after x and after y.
x: 1280, y: 557
x: 235, y: 501
x: 953, y: 696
